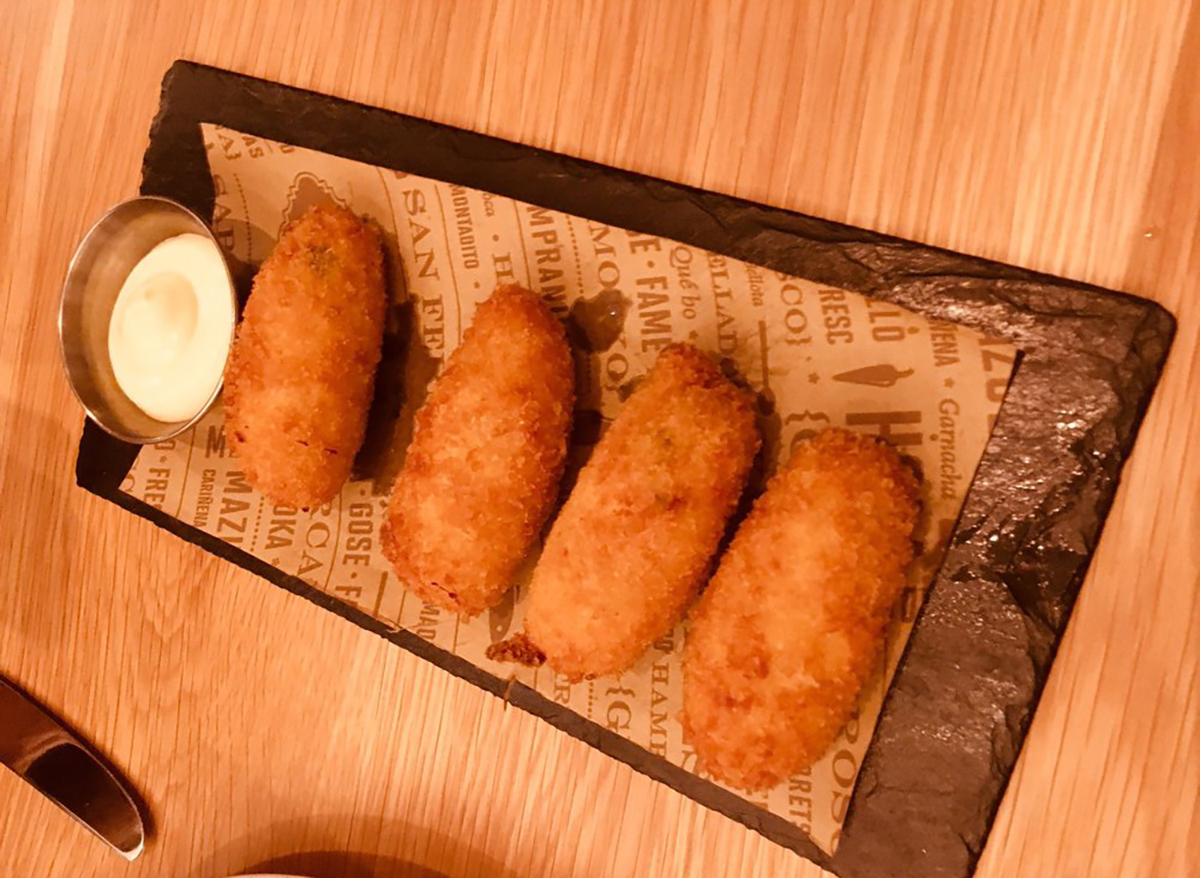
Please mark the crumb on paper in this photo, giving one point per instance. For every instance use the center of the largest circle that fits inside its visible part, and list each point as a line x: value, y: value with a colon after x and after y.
x: 518, y: 649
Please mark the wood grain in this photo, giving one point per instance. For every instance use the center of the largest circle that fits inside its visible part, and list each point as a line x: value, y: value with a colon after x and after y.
x: 1057, y: 135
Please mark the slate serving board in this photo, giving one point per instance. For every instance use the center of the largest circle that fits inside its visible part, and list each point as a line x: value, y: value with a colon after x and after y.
x: 963, y: 696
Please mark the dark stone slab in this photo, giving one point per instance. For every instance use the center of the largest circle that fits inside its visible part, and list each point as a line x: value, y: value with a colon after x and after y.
x: 958, y: 709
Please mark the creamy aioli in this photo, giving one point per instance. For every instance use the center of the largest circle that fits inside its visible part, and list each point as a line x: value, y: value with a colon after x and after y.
x: 170, y: 329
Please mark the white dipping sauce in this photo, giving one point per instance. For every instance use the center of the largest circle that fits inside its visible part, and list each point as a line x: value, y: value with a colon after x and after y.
x: 171, y: 326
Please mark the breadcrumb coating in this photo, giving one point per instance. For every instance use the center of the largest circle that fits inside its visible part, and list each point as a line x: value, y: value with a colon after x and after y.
x: 790, y: 628
x: 637, y: 535
x: 482, y: 472
x: 301, y: 372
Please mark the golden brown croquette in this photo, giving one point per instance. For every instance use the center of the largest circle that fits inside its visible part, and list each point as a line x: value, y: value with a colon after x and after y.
x: 482, y: 472
x: 636, y: 537
x: 792, y: 624
x: 301, y: 372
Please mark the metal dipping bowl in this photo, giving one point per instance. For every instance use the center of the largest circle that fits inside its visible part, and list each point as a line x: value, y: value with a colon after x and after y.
x: 108, y: 252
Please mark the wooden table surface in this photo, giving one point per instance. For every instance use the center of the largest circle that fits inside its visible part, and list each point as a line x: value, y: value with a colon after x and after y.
x: 1059, y: 135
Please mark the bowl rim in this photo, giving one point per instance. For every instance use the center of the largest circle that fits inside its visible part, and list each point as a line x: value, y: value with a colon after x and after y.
x: 171, y: 428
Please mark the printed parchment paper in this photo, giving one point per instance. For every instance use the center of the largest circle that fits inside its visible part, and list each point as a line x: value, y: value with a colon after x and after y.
x: 817, y: 356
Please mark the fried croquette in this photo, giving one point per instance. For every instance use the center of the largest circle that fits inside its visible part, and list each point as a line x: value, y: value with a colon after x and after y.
x: 482, y: 472
x: 636, y: 537
x: 302, y: 369
x: 792, y: 624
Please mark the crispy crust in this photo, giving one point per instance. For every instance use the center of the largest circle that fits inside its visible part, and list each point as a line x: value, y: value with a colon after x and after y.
x: 791, y: 625
x: 302, y: 369
x: 482, y: 472
x: 636, y: 536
